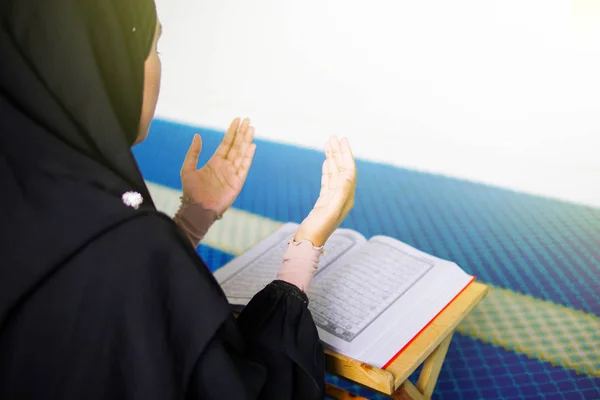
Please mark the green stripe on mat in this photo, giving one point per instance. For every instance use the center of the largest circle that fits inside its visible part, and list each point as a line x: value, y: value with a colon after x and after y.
x: 537, y: 328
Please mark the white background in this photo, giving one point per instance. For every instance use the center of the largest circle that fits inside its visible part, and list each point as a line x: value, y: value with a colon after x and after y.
x: 497, y: 91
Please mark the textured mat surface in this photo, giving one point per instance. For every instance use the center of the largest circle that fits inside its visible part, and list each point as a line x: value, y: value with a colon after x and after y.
x: 537, y: 335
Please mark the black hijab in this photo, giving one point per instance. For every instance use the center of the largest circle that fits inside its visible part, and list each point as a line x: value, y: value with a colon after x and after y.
x: 75, y: 69
x: 71, y: 89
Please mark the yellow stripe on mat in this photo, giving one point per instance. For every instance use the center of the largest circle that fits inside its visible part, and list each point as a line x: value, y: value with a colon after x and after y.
x: 537, y: 328
x: 517, y: 322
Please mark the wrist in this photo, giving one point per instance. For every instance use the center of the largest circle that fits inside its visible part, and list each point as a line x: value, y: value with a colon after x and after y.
x: 194, y: 220
x: 316, y: 240
x: 300, y: 263
x: 189, y: 201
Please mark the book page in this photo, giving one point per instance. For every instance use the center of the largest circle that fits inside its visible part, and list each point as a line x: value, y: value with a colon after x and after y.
x: 249, y: 273
x: 372, y: 304
x: 347, y: 299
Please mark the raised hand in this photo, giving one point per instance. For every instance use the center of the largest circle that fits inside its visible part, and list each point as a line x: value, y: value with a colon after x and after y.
x: 218, y: 183
x: 336, y: 199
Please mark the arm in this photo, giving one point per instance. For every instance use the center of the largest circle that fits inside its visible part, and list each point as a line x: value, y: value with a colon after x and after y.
x: 273, y: 349
x: 194, y: 220
x: 209, y: 191
x: 275, y: 333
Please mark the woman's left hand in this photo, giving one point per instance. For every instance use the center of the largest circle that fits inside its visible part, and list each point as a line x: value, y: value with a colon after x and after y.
x: 218, y: 183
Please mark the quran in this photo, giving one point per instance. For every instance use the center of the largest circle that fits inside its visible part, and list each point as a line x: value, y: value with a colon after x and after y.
x: 369, y: 298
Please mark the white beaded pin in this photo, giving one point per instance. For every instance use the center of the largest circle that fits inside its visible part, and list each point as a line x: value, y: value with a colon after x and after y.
x: 132, y: 199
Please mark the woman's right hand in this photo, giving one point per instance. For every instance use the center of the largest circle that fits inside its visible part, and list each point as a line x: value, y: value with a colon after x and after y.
x: 336, y: 199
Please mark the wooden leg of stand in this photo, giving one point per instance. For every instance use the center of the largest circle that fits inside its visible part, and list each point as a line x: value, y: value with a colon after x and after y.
x: 425, y: 385
x: 341, y: 394
x: 427, y: 378
x: 407, y: 391
x: 431, y: 368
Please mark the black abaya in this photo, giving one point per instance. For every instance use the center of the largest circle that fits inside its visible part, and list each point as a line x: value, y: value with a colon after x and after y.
x: 99, y: 300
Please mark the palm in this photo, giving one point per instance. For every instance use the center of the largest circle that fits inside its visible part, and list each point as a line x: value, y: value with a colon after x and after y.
x: 218, y: 183
x: 336, y: 197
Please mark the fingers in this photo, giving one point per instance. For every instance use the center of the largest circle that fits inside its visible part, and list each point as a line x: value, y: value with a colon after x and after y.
x: 246, y: 162
x: 246, y: 142
x: 235, y: 151
x: 325, y: 176
x: 344, y: 175
x: 190, y: 161
x: 349, y: 175
x: 331, y: 166
x: 347, y: 157
x: 228, y: 140
x: 336, y: 150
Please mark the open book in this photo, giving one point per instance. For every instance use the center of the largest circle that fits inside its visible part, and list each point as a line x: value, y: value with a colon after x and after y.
x: 369, y: 298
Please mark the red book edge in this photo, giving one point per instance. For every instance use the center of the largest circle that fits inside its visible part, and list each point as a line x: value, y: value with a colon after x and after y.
x: 429, y: 323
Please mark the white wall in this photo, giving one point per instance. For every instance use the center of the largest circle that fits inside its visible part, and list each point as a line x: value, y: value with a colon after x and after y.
x: 498, y: 91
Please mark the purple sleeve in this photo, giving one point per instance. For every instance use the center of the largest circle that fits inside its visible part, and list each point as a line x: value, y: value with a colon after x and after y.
x: 194, y: 220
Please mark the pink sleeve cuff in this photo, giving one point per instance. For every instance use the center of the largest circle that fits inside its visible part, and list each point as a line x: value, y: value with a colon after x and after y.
x: 300, y: 263
x: 194, y: 220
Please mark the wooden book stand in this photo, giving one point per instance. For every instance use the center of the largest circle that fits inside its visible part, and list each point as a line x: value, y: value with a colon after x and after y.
x: 429, y: 348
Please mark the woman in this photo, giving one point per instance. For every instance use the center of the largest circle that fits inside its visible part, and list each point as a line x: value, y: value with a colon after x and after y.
x: 101, y: 296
